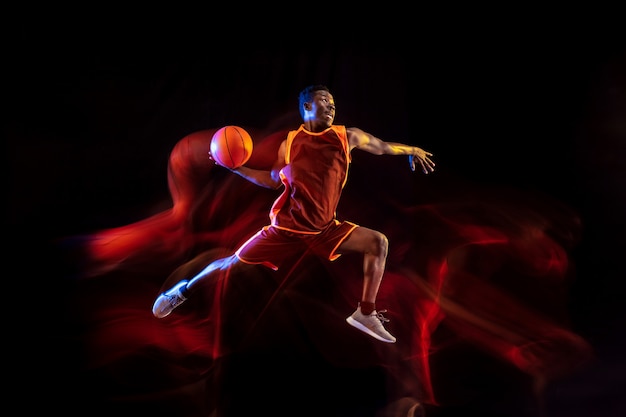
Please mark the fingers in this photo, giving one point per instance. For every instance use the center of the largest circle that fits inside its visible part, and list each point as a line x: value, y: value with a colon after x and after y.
x: 427, y: 164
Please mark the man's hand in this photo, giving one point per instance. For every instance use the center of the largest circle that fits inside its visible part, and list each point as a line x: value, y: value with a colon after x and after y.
x: 423, y: 157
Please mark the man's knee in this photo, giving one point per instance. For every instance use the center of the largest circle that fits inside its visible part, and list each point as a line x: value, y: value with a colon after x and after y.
x: 380, y: 244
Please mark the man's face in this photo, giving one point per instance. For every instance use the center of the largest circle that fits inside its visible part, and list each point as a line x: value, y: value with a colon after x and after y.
x: 321, y: 112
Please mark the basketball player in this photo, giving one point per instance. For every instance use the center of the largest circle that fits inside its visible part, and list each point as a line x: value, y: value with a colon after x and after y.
x: 312, y: 167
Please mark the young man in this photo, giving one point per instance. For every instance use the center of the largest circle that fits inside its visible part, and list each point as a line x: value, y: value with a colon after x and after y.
x: 312, y: 166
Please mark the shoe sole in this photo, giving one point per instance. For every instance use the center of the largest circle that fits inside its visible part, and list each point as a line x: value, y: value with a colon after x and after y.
x: 352, y: 322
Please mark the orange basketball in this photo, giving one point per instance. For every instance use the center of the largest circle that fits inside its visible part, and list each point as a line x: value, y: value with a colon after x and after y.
x: 231, y: 146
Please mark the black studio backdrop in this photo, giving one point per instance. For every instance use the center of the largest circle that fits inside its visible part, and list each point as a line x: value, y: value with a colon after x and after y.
x: 94, y: 113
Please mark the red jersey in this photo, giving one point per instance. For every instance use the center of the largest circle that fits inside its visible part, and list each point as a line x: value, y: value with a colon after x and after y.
x: 314, y: 177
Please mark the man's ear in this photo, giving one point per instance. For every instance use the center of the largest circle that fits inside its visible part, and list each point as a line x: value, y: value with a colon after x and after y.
x: 307, y: 106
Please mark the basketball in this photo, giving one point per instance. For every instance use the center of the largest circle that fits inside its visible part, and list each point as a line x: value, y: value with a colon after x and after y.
x: 231, y: 146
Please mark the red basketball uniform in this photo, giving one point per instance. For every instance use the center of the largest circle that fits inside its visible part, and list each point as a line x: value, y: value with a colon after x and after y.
x: 303, y: 218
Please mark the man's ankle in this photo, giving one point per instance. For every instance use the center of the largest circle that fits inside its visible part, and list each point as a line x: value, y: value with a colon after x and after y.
x: 367, y: 308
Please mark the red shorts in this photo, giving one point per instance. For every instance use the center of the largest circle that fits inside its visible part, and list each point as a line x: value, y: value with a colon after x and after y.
x: 271, y: 246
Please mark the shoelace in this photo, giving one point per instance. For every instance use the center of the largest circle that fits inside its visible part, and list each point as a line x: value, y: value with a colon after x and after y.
x: 173, y: 299
x: 380, y: 316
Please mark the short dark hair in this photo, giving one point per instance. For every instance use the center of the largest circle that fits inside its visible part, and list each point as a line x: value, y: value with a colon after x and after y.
x: 306, y: 95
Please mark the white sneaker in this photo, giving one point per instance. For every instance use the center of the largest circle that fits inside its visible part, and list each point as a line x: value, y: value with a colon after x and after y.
x: 169, y: 300
x: 371, y: 324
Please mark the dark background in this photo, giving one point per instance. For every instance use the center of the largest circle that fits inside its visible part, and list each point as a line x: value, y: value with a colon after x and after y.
x: 95, y: 105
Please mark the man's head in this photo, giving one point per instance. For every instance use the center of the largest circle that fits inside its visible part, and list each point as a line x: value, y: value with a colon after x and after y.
x: 317, y: 107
